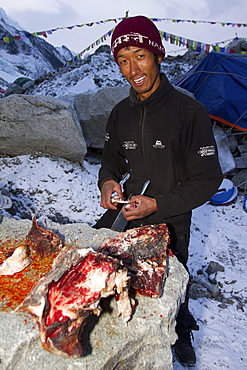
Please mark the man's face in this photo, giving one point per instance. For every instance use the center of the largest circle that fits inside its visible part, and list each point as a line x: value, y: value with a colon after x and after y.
x: 140, y: 69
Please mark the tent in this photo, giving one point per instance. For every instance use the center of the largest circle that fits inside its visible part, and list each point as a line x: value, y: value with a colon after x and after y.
x: 219, y: 81
x: 21, y: 81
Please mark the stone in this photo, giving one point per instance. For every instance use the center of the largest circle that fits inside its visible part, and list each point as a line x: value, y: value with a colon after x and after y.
x: 30, y: 124
x: 214, y: 267
x: 198, y: 291
x: 226, y: 159
x: 240, y: 179
x: 241, y: 161
x: 14, y: 89
x: 144, y: 343
x: 93, y: 110
x: 211, y: 288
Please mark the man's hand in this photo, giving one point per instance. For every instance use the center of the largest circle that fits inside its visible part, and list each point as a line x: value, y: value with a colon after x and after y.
x: 107, y: 189
x: 144, y: 207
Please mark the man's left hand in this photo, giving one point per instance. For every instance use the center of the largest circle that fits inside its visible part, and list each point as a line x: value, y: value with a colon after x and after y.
x: 144, y: 207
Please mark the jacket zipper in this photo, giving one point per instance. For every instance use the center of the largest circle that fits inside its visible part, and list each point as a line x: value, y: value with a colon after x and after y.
x: 142, y: 134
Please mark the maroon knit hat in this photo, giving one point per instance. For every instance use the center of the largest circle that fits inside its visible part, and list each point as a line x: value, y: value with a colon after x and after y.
x: 137, y: 31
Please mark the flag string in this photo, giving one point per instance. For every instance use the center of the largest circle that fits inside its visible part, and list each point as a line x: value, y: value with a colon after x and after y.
x: 46, y: 33
x: 179, y: 41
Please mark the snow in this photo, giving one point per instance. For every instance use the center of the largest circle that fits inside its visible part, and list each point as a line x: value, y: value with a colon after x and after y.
x: 86, y: 84
x: 8, y: 21
x: 57, y: 189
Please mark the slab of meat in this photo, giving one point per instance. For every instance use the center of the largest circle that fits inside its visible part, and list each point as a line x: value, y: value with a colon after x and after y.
x: 63, y: 299
x: 43, y: 241
x: 143, y: 252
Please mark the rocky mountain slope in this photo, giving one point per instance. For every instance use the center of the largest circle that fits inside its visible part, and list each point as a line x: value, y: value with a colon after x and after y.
x: 35, y: 58
x: 24, y: 54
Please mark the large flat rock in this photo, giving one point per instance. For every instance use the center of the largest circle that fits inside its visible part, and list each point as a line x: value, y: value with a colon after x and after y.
x: 144, y: 343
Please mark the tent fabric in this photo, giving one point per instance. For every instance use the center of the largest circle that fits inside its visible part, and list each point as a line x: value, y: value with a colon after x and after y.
x: 219, y: 81
x: 21, y: 81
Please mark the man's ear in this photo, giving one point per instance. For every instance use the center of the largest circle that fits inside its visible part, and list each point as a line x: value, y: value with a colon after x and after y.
x: 159, y: 59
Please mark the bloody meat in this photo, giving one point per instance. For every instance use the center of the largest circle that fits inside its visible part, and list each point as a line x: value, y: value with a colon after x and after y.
x: 143, y: 252
x: 62, y: 301
x: 43, y: 241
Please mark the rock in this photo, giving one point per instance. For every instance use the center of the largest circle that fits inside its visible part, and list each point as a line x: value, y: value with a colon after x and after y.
x: 144, y: 343
x: 240, y: 179
x: 37, y: 123
x: 214, y: 267
x: 233, y: 143
x: 211, y: 288
x: 226, y: 159
x: 241, y: 161
x: 198, y: 291
x: 14, y: 89
x: 93, y: 110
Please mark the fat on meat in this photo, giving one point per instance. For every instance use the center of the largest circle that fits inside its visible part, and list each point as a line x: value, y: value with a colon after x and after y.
x: 143, y: 251
x: 62, y: 301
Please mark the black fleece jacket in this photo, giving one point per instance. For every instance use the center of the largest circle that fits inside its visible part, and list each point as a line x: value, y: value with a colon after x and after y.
x: 166, y: 138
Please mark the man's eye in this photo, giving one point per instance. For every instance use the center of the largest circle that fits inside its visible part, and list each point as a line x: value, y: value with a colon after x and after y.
x: 123, y: 61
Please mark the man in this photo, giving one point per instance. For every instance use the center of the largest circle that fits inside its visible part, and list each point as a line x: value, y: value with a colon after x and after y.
x: 160, y: 134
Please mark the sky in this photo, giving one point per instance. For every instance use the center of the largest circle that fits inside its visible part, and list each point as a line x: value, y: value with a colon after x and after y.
x: 37, y: 15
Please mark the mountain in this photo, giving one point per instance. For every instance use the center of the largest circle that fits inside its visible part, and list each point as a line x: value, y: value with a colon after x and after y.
x: 35, y: 58
x: 27, y: 56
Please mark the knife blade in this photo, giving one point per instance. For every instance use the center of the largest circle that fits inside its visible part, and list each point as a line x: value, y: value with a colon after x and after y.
x: 120, y: 221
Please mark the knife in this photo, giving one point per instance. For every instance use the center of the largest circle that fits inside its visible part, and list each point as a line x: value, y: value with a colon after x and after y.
x: 120, y: 221
x: 121, y: 183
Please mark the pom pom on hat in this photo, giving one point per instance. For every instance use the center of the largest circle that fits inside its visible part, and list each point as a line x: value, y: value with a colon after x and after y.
x: 137, y: 31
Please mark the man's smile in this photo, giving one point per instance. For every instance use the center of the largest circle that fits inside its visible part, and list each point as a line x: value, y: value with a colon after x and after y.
x: 139, y: 81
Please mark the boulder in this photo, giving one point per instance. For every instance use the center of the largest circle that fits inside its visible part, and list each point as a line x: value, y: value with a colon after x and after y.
x: 145, y: 343
x: 93, y: 110
x: 30, y: 124
x: 240, y: 179
x: 226, y: 159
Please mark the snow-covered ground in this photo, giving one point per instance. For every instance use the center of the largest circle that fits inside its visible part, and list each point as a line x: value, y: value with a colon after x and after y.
x: 67, y: 192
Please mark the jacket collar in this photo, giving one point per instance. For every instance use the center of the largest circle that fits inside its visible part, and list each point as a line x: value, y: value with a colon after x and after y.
x: 163, y: 88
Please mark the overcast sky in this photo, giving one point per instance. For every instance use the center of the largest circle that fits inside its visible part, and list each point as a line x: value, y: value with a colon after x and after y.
x: 42, y: 15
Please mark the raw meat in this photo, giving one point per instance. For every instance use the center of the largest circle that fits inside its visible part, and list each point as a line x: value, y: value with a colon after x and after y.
x: 143, y: 252
x: 43, y: 241
x: 63, y: 299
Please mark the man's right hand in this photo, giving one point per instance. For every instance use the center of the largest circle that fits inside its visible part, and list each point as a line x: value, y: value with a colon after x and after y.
x: 107, y: 189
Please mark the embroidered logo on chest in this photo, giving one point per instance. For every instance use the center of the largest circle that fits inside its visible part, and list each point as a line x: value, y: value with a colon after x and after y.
x: 206, y: 151
x: 129, y: 144
x: 158, y: 145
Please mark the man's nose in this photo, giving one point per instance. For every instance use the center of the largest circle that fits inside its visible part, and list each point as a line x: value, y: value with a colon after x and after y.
x: 134, y: 67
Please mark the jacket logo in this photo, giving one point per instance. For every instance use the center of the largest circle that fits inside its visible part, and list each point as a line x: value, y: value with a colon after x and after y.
x: 206, y: 151
x: 129, y: 144
x: 158, y: 145
x: 107, y: 136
